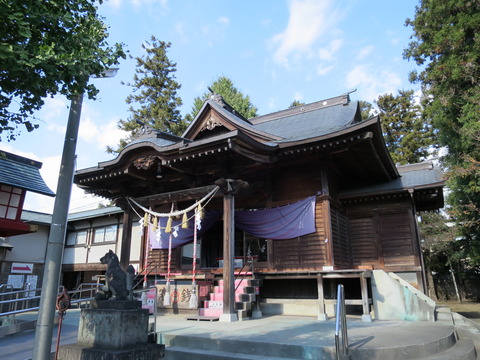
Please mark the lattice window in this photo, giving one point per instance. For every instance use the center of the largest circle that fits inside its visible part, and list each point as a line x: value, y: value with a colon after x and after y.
x: 11, y: 202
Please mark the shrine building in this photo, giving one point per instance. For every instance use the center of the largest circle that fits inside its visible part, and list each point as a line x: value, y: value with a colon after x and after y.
x: 300, y: 200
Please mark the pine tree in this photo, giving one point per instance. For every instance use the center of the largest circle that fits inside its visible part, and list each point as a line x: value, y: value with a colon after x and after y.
x: 446, y: 44
x: 409, y: 137
x: 231, y: 95
x: 154, y: 100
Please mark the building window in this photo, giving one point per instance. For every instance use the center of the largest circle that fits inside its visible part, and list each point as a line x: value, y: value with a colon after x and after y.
x: 11, y: 202
x: 77, y: 238
x: 187, y: 254
x: 256, y: 247
x: 105, y: 234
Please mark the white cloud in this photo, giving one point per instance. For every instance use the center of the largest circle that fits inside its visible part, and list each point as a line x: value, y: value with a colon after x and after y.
x: 297, y: 96
x: 272, y: 104
x: 372, y: 82
x: 328, y: 52
x: 322, y: 69
x: 364, y: 52
x: 224, y: 21
x: 110, y: 134
x: 181, y: 31
x: 310, y: 21
x: 94, y: 131
x: 50, y: 172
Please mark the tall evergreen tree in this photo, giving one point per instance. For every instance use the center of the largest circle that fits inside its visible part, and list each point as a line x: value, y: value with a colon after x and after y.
x: 409, y: 136
x: 232, y: 96
x: 154, y: 100
x: 446, y: 44
x: 296, y: 103
x: 366, y: 109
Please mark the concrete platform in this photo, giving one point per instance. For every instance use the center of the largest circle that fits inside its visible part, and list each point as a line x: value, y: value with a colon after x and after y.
x: 288, y: 337
x: 280, y: 337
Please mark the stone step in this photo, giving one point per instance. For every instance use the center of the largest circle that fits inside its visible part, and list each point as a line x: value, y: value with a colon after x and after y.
x: 219, y: 297
x: 174, y: 353
x: 440, y: 343
x: 462, y: 350
x: 210, y: 312
x: 243, y: 306
x: 235, y: 349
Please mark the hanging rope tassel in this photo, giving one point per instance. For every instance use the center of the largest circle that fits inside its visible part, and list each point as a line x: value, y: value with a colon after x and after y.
x: 200, y: 213
x: 166, y: 298
x: 168, y: 228
x: 193, y: 299
x: 185, y: 221
x: 155, y: 223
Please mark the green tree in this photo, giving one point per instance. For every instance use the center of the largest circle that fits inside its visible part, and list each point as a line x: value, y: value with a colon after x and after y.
x: 48, y: 48
x: 296, y: 103
x: 408, y: 134
x: 446, y: 44
x: 445, y: 252
x: 155, y: 93
x: 231, y: 95
x: 366, y: 109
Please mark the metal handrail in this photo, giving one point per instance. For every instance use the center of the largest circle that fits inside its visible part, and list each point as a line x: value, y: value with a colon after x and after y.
x: 341, y: 344
x: 25, y: 300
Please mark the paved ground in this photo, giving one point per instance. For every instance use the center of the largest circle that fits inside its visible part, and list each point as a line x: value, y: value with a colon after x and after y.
x: 285, y: 329
x: 20, y: 346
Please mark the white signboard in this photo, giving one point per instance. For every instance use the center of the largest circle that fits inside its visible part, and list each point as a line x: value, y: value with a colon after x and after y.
x: 31, y: 284
x: 22, y: 268
x: 16, y: 281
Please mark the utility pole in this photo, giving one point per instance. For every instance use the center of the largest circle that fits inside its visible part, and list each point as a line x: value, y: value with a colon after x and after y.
x: 58, y: 228
x: 56, y: 238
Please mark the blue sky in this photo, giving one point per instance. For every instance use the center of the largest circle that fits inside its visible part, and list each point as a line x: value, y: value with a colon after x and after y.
x: 276, y: 51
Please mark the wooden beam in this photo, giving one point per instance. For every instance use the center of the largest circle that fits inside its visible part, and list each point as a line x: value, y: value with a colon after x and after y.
x: 180, y: 195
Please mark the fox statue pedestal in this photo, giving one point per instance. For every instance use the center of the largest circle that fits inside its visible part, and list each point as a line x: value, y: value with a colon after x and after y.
x: 113, y: 330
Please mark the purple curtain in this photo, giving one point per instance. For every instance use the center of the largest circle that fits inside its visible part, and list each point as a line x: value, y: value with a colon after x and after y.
x: 283, y: 222
x: 184, y: 236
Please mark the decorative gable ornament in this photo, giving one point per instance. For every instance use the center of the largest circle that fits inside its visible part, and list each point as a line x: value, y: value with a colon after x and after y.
x: 210, y: 124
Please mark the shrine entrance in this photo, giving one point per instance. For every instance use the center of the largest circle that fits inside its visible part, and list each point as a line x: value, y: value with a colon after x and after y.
x: 210, y: 249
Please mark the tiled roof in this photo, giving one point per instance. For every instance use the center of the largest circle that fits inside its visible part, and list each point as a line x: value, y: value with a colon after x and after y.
x: 22, y: 173
x: 34, y: 217
x: 94, y: 213
x: 305, y: 124
x: 414, y: 176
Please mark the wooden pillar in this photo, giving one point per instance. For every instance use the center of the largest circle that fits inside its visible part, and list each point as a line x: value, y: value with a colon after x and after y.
x: 229, y: 188
x: 322, y: 314
x: 126, y: 239
x: 366, y: 317
x: 229, y: 314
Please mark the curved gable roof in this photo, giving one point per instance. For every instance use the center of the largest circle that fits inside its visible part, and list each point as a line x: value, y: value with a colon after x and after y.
x: 23, y: 173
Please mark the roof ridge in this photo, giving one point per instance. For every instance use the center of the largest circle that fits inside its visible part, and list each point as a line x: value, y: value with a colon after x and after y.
x: 338, y: 100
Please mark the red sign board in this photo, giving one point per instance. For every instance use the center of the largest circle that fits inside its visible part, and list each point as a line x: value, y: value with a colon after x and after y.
x: 22, y: 268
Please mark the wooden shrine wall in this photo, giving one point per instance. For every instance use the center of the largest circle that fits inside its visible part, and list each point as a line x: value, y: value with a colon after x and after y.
x: 342, y: 254
x: 158, y: 261
x: 383, y: 236
x: 308, y: 252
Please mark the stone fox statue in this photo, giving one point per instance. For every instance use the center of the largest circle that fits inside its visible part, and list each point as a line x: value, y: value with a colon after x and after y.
x: 118, y: 284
